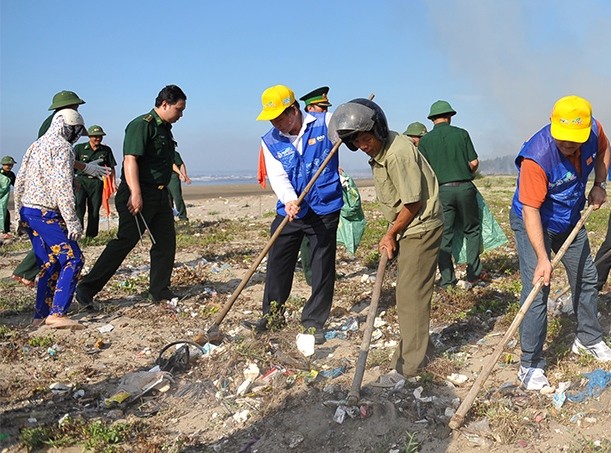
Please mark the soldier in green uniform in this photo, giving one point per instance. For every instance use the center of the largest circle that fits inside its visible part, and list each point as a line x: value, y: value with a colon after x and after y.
x: 179, y: 174
x: 89, y: 193
x: 142, y: 199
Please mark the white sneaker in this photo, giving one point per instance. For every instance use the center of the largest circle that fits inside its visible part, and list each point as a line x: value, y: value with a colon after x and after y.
x: 532, y: 378
x: 600, y: 351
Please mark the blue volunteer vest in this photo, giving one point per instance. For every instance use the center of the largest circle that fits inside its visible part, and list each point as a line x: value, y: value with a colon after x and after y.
x: 566, y: 188
x: 325, y: 196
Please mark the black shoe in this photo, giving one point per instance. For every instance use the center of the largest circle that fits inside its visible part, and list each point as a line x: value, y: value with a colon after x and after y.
x: 257, y: 326
x: 319, y: 336
x: 164, y: 295
x: 84, y: 300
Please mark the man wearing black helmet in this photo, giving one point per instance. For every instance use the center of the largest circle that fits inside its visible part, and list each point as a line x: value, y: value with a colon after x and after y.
x: 407, y: 192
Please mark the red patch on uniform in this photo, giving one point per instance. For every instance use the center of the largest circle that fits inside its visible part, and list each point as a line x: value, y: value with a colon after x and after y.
x: 588, y: 160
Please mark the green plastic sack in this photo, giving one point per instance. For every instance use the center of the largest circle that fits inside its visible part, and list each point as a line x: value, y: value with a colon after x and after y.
x: 492, y: 234
x: 351, y: 219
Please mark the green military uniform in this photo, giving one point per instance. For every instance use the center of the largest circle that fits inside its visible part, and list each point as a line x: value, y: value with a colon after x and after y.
x: 89, y: 193
x: 46, y: 124
x: 402, y: 176
x: 175, y: 189
x: 449, y: 150
x: 150, y: 139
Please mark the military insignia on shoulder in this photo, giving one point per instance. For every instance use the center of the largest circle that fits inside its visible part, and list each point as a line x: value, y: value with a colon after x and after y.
x: 148, y: 117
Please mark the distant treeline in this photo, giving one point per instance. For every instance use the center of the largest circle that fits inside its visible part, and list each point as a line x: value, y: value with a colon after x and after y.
x: 498, y: 166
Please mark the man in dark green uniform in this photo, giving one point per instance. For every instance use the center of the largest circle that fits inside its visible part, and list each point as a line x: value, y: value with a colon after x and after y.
x: 89, y: 193
x: 451, y: 154
x: 142, y: 199
x: 179, y: 174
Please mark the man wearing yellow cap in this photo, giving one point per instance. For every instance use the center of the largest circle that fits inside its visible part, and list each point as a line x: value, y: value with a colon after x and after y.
x: 553, y: 169
x: 294, y: 148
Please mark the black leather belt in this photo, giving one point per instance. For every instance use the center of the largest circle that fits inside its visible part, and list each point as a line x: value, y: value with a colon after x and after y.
x: 453, y: 184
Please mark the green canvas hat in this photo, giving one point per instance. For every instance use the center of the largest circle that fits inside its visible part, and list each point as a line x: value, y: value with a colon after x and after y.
x: 95, y: 130
x: 8, y: 160
x: 415, y: 130
x: 441, y: 108
x: 65, y: 98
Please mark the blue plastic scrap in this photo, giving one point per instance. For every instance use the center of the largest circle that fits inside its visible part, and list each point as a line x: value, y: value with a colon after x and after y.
x: 597, y: 381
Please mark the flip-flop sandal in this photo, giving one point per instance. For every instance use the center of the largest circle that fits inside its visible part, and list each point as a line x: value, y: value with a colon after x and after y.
x: 24, y: 281
x: 63, y: 323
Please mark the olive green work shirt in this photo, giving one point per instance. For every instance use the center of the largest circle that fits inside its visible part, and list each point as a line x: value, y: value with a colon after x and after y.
x: 448, y: 149
x: 402, y: 176
x: 150, y: 138
x: 83, y: 152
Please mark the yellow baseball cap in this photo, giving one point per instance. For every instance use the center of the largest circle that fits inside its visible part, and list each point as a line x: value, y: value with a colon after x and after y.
x: 275, y: 100
x: 571, y: 119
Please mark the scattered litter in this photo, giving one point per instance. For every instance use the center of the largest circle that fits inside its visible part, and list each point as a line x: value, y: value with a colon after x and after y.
x: 252, y: 371
x: 106, y: 328
x: 32, y: 421
x: 217, y: 269
x: 333, y: 373
x: 547, y: 390
x: 99, y: 343
x: 463, y: 284
x: 244, y: 387
x: 597, y: 381
x: 305, y: 344
x: 457, y: 379
x: 392, y: 379
x: 331, y: 334
x: 241, y: 416
x: 340, y: 415
x: 78, y: 394
x: 449, y: 412
x: 351, y: 324
x: 378, y: 322
x: 376, y: 335
x: 274, y: 372
x: 59, y: 388
x: 136, y: 384
x: 364, y: 278
x: 418, y: 396
x: 65, y: 418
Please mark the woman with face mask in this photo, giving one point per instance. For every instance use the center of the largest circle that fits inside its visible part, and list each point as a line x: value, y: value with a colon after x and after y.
x: 45, y: 205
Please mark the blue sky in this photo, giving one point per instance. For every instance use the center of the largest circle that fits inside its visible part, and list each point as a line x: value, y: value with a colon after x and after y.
x: 501, y: 64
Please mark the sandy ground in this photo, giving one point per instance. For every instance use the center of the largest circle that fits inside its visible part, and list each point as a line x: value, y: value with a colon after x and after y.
x: 203, y: 409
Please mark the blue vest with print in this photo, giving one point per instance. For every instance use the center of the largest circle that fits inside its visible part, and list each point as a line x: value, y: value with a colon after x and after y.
x: 566, y: 188
x: 325, y: 196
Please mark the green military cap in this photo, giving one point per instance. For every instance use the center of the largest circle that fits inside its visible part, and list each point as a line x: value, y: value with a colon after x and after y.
x: 415, y: 130
x: 317, y: 96
x: 8, y: 160
x: 65, y: 98
x: 95, y: 130
x: 440, y: 108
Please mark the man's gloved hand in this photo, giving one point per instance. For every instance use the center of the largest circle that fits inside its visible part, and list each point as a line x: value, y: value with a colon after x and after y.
x: 96, y: 170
